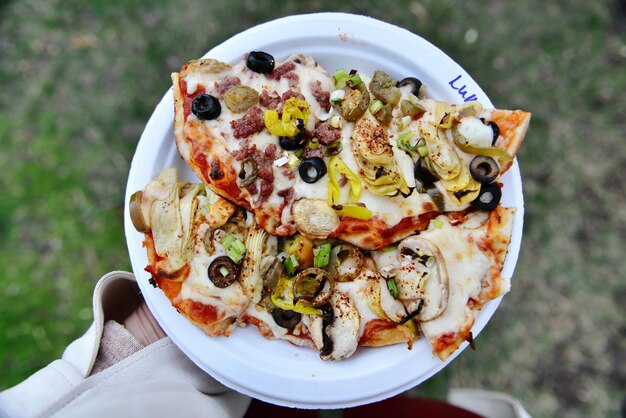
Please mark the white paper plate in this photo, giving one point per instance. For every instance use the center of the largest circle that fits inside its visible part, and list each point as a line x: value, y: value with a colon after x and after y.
x: 276, y: 371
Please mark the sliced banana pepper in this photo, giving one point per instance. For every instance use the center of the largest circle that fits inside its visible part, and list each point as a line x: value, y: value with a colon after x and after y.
x: 283, y: 296
x: 337, y: 168
x: 293, y: 110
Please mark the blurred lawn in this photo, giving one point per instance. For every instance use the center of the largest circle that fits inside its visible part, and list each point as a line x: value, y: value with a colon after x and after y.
x: 79, y: 79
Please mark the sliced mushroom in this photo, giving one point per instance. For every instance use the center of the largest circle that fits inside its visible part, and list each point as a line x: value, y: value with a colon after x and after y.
x: 474, y: 219
x: 343, y: 331
x: 314, y: 218
x: 422, y: 278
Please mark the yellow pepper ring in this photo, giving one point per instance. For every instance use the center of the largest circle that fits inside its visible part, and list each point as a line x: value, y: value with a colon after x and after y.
x: 282, y: 297
x: 287, y: 125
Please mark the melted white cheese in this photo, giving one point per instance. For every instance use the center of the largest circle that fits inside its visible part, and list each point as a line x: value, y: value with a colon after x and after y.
x: 476, y: 132
x: 198, y: 287
x: 466, y: 266
x: 356, y: 290
x: 344, y: 330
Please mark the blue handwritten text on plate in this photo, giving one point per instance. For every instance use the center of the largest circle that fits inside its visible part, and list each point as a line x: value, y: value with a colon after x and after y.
x: 462, y: 90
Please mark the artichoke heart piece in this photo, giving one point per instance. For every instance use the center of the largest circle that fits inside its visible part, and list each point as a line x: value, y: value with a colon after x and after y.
x: 383, y: 88
x: 250, y: 277
x: 443, y: 158
x: 170, y: 226
x: 374, y: 156
x: 371, y: 141
x: 354, y: 104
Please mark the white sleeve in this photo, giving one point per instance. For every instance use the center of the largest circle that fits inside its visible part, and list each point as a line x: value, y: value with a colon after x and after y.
x: 158, y: 380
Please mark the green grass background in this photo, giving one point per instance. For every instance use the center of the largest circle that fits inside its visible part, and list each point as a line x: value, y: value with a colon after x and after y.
x: 79, y: 79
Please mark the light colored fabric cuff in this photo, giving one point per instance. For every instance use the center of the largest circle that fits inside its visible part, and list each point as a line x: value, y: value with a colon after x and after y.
x: 82, y: 353
x: 116, y: 344
x: 30, y: 397
x: 142, y: 324
x: 127, y: 377
x: 161, y: 364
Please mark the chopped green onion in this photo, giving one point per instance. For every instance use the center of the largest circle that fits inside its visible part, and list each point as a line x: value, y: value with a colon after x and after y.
x: 228, y: 240
x: 234, y: 255
x: 314, y: 143
x: 393, y: 289
x: 353, y: 80
x: 321, y: 255
x: 235, y: 249
x: 238, y: 246
x: 405, y: 138
x: 337, y: 96
x: 340, y: 74
x: 293, y: 161
x: 291, y: 264
x: 404, y: 143
x: 298, y: 153
x: 388, y: 248
x: 376, y: 106
x: 437, y: 223
x: 336, y: 122
x: 334, y: 148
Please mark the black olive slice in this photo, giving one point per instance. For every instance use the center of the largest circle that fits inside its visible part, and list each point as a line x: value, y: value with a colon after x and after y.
x: 489, y: 196
x: 423, y: 174
x: 223, y: 271
x: 260, y: 62
x: 291, y: 144
x: 286, y: 319
x: 328, y: 316
x: 484, y: 169
x: 411, y: 81
x: 206, y: 107
x: 496, y: 131
x: 312, y: 169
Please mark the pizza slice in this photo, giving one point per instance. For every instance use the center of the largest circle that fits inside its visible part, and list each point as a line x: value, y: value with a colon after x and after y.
x: 221, y: 270
x: 371, y: 160
x: 449, y: 271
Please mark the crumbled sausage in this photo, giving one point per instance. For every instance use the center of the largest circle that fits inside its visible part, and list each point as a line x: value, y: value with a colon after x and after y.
x: 322, y: 96
x: 270, y: 100
x: 293, y: 79
x: 308, y: 152
x: 266, y: 191
x: 250, y: 123
x: 226, y: 84
x: 281, y: 70
x: 265, y: 172
x: 291, y: 93
x: 326, y: 133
